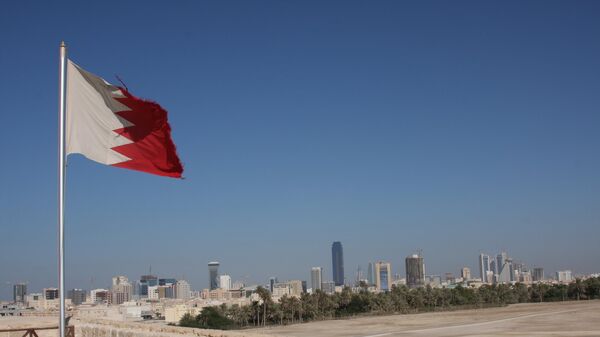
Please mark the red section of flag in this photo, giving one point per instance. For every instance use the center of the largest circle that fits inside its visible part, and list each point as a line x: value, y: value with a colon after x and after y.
x: 152, y: 150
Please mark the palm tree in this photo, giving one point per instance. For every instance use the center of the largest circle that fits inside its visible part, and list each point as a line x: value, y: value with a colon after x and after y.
x: 295, y: 305
x: 265, y: 296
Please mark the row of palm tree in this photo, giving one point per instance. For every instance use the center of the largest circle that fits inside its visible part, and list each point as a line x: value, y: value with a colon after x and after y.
x: 400, y: 299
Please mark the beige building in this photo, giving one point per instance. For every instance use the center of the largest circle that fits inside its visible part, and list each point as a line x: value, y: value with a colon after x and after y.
x: 174, y: 313
x: 182, y: 290
x: 121, y: 291
x: 288, y: 288
x: 383, y: 273
x: 465, y: 273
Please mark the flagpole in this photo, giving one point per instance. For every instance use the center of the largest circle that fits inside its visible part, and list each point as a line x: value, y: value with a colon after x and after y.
x: 61, y: 184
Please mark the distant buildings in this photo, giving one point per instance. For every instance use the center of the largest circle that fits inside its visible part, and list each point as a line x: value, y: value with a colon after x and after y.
x: 316, y: 278
x: 121, y: 290
x: 237, y: 285
x: 359, y: 276
x: 371, y: 273
x: 32, y: 299
x: 564, y: 276
x: 272, y: 281
x: 465, y: 273
x: 484, y: 268
x: 225, y: 282
x: 337, y: 263
x: 504, y: 268
x: 145, y: 282
x: 50, y: 293
x: 290, y: 288
x: 538, y: 274
x: 182, y: 290
x: 99, y: 296
x: 328, y: 287
x: 77, y: 296
x: 415, y: 271
x: 383, y: 273
x: 433, y: 280
x: 213, y: 273
x: 166, y: 281
x: 19, y: 292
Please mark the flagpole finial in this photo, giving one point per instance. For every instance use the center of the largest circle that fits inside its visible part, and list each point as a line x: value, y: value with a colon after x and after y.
x: 63, y: 44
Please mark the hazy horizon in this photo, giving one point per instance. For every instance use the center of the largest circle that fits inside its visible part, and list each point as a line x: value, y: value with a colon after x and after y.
x: 452, y: 127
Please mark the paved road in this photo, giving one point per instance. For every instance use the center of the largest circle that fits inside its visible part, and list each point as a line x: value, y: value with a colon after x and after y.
x: 569, y: 319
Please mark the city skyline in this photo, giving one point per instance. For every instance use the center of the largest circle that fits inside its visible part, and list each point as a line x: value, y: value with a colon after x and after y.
x: 159, y: 279
x: 393, y: 127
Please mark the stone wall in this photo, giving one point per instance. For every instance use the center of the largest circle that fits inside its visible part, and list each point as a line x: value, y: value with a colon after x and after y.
x: 100, y: 328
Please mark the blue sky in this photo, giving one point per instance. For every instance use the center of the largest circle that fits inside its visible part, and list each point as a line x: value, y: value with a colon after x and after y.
x: 452, y: 127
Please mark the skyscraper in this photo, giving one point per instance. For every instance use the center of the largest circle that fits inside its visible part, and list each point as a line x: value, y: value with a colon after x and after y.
x: 337, y: 263
x: 484, y: 267
x: 166, y: 281
x: 371, y: 274
x: 19, y: 292
x: 145, y: 282
x: 415, y: 271
x: 359, y: 276
x: 213, y: 275
x: 538, y: 274
x: 225, y: 282
x: 122, y: 290
x: 316, y: 278
x: 383, y: 273
x: 504, y: 268
x: 182, y: 290
x: 272, y: 281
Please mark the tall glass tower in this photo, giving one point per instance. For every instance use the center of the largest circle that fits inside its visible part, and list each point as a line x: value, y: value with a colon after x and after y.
x: 337, y: 262
x: 213, y: 275
x: 415, y: 271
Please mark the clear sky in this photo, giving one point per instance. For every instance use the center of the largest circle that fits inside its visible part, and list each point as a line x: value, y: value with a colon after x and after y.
x: 453, y: 127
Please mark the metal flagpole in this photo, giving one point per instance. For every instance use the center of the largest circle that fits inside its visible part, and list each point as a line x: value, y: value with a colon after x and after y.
x: 61, y: 184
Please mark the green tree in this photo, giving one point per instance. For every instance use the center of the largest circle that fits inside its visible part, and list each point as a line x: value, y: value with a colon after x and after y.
x: 522, y: 293
x: 213, y: 318
x: 577, y: 289
x: 189, y: 321
x: 592, y: 287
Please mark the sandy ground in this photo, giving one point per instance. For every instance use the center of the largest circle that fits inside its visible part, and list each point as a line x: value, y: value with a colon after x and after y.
x: 568, y: 319
x: 28, y: 322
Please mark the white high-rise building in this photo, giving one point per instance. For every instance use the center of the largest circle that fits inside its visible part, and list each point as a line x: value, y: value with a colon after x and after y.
x: 182, y: 290
x: 225, y: 282
x: 316, y: 278
x: 564, y: 276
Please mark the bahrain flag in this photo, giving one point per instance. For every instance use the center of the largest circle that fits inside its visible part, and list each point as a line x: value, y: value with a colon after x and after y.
x: 109, y: 125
